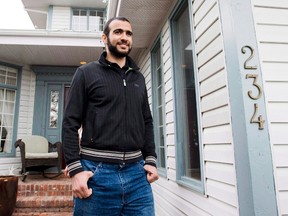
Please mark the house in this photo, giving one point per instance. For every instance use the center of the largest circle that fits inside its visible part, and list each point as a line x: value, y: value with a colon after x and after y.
x: 217, y: 79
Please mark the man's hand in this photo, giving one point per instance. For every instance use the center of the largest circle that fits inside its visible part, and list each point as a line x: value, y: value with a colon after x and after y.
x: 79, y: 184
x: 152, y: 173
x: 66, y: 171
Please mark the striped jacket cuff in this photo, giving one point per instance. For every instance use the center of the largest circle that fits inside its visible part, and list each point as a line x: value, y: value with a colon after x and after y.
x: 74, y: 168
x: 151, y: 160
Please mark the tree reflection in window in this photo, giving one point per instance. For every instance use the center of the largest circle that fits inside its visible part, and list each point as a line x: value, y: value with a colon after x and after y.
x: 54, y: 109
x: 8, y: 95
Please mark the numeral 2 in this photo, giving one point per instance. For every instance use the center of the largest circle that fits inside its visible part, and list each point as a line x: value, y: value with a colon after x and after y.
x: 246, y: 65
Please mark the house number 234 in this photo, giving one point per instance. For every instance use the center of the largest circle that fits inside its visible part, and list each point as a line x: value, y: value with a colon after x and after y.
x: 256, y: 94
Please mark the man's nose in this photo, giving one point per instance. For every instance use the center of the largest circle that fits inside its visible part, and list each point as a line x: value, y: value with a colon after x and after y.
x: 124, y: 36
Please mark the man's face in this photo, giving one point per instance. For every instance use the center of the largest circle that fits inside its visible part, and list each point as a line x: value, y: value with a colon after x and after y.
x: 119, y: 42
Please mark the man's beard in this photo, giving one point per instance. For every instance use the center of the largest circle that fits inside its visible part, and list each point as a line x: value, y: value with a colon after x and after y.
x: 114, y: 51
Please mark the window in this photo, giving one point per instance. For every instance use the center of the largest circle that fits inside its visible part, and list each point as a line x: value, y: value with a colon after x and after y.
x: 87, y: 20
x: 158, y: 105
x: 8, y: 98
x: 187, y: 133
x: 54, y: 105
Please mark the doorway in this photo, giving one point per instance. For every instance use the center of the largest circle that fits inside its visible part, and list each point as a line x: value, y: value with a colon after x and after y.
x: 52, y: 86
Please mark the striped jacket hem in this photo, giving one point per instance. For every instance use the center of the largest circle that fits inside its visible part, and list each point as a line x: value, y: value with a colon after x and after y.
x: 108, y: 157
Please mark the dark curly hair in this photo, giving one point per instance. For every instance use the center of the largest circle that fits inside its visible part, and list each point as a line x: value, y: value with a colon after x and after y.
x: 106, y: 27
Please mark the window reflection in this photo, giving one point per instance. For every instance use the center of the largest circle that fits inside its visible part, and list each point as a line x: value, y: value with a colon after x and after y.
x: 87, y: 20
x: 54, y: 109
x: 3, y: 132
x: 187, y: 130
x: 159, y: 104
x: 8, y: 78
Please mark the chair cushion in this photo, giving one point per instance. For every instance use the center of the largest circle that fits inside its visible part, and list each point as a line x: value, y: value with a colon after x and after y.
x: 41, y: 155
x: 35, y: 144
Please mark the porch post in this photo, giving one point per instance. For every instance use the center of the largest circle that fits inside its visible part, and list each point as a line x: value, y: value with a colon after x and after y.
x: 253, y: 159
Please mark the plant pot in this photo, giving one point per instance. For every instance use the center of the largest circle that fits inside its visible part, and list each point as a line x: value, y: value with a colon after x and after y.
x: 8, y: 194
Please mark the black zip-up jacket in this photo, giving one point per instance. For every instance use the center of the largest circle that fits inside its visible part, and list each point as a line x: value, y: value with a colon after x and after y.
x: 111, y: 105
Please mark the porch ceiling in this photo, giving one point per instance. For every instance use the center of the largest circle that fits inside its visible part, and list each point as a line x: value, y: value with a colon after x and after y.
x: 147, y: 18
x: 47, y: 55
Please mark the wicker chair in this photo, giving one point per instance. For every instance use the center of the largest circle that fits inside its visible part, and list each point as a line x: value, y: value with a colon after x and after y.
x: 37, y: 154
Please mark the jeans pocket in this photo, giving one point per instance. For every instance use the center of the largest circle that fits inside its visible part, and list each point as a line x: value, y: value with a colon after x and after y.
x: 91, y: 166
x: 141, y: 164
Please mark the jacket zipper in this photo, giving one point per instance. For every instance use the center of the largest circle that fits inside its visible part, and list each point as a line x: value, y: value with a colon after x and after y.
x: 124, y: 76
x: 125, y: 96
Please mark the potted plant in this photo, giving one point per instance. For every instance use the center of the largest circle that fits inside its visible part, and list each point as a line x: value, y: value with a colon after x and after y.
x: 8, y: 194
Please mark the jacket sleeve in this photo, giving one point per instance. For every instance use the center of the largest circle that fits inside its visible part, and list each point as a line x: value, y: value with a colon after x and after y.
x: 72, y: 119
x: 148, y: 151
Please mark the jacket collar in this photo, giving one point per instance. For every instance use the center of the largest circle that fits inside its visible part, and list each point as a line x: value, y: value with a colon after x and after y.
x: 129, y: 62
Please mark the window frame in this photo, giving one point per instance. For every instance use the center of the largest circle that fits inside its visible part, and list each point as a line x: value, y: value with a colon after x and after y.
x: 88, y: 25
x: 194, y: 184
x: 157, y: 47
x: 17, y: 88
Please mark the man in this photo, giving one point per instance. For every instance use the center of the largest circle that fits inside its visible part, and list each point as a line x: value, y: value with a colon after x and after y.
x: 108, y: 98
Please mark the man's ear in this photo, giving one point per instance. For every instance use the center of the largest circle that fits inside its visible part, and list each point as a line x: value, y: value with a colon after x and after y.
x: 104, y: 39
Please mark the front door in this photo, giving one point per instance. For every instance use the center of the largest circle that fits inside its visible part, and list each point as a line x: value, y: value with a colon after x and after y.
x: 51, y: 85
x: 48, y: 110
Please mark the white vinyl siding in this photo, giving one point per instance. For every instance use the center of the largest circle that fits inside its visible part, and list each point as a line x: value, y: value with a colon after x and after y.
x: 26, y: 108
x: 146, y: 71
x: 216, y: 121
x: 61, y: 18
x: 220, y: 197
x: 169, y: 109
x: 271, y: 23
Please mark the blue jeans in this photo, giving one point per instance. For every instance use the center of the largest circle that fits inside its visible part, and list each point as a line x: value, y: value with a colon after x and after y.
x: 117, y: 190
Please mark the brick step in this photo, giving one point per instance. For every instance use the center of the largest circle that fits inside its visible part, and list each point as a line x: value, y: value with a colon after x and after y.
x: 33, y: 213
x: 39, y: 186
x: 44, y: 202
x: 39, y: 196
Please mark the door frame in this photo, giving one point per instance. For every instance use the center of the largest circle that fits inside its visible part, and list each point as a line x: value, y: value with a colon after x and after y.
x: 45, y: 76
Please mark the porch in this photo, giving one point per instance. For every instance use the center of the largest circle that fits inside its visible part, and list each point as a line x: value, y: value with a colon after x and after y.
x: 40, y: 196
